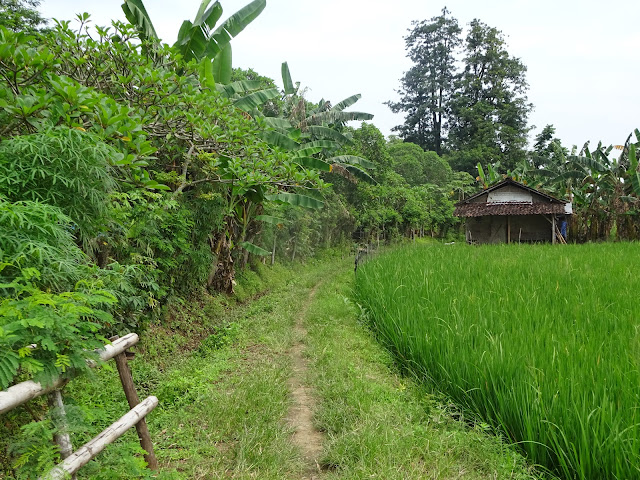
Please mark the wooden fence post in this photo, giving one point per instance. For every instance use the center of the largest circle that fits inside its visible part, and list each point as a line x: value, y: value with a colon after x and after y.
x: 62, y: 437
x: 84, y: 454
x: 132, y: 397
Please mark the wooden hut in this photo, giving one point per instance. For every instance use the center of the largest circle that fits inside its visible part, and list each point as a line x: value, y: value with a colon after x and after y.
x: 512, y: 212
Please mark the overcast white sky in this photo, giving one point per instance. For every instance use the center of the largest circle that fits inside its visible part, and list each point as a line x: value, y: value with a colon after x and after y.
x: 583, y: 57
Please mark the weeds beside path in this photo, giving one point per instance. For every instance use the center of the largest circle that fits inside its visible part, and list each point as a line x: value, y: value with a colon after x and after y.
x: 292, y: 386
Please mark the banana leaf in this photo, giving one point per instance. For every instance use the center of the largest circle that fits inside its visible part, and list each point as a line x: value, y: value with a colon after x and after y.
x: 235, y: 24
x: 241, y: 86
x: 222, y: 65
x: 324, y: 144
x: 347, y: 102
x: 635, y: 182
x: 359, y: 173
x: 192, y: 41
x: 587, y: 161
x: 327, y: 133
x: 255, y: 99
x: 277, y: 139
x: 296, y: 199
x: 306, y: 151
x: 351, y: 160
x: 315, y: 163
x: 271, y: 220
x: 138, y: 17
x: 633, y: 158
x: 279, y: 124
x: 256, y: 250
x: 289, y: 89
x: 208, y: 17
x: 333, y: 116
x: 207, y: 75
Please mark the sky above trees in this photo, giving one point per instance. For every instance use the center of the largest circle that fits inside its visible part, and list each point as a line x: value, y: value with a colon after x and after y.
x: 581, y: 56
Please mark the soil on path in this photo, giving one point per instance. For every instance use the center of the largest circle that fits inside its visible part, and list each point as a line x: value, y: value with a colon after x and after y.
x: 300, y: 417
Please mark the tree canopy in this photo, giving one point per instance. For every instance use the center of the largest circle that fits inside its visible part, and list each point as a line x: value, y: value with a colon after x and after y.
x: 464, y: 98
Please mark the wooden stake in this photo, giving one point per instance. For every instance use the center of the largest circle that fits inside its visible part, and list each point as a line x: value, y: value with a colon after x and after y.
x: 62, y: 438
x: 132, y: 397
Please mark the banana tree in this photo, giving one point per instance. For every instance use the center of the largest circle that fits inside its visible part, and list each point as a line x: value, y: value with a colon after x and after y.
x: 200, y: 39
x: 311, y: 136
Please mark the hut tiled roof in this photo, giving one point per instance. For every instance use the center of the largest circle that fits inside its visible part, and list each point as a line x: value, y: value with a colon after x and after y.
x: 483, y: 209
x: 470, y: 207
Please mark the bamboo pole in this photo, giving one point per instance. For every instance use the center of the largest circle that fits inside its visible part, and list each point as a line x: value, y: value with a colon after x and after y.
x: 62, y: 437
x: 132, y: 397
x: 18, y: 394
x: 89, y: 450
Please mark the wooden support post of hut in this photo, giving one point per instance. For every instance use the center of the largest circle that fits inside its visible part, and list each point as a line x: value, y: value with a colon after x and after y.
x: 526, y: 210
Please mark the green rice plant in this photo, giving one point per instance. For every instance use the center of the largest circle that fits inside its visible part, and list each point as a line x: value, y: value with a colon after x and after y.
x: 542, y: 342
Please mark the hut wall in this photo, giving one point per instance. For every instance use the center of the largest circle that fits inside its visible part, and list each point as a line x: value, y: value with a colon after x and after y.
x: 489, y: 229
x: 524, y: 228
x: 530, y: 229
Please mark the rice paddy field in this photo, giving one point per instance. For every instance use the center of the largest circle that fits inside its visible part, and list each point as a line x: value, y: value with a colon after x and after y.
x: 541, y: 342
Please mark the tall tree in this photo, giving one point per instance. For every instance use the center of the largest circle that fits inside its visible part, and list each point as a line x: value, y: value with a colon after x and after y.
x: 21, y: 15
x: 547, y: 149
x: 427, y: 87
x: 489, y: 108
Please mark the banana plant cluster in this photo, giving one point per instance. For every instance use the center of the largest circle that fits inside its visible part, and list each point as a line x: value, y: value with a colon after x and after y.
x: 312, y: 137
x: 603, y: 187
x: 200, y: 39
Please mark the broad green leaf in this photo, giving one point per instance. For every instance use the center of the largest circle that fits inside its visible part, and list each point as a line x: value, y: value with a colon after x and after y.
x: 236, y: 23
x: 192, y: 41
x: 327, y: 133
x: 635, y: 182
x: 222, y: 65
x: 278, y: 123
x: 347, y: 102
x: 208, y: 17
x: 351, y: 160
x: 633, y: 158
x: 587, y: 161
x: 256, y: 250
x: 207, y: 77
x: 359, y: 174
x: 324, y: 144
x: 296, y: 200
x: 307, y: 152
x: 333, y: 116
x: 316, y: 163
x: 271, y: 220
x: 289, y: 89
x: 138, y: 17
x: 276, y: 139
x: 241, y: 86
x: 255, y: 99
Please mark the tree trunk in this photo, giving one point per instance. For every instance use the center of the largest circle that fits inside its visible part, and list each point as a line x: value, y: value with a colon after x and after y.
x: 225, y: 270
x: 273, y: 250
x: 222, y: 277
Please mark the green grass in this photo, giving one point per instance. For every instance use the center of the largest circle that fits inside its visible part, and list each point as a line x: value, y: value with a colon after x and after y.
x: 539, y: 341
x: 220, y: 369
x: 379, y: 424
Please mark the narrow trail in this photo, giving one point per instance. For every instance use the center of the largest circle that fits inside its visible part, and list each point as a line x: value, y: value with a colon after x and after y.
x: 300, y: 416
